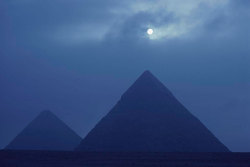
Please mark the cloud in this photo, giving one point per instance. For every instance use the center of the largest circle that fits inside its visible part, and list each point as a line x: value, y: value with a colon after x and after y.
x: 170, y: 19
x: 76, y: 22
x: 188, y: 17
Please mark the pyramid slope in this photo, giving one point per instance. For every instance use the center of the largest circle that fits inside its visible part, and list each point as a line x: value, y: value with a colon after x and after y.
x: 149, y: 118
x: 45, y: 132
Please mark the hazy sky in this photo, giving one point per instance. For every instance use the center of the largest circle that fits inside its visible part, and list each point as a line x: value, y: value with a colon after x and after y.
x: 76, y: 58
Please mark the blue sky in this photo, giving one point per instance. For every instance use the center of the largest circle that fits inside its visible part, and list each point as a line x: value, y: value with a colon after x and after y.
x: 77, y: 57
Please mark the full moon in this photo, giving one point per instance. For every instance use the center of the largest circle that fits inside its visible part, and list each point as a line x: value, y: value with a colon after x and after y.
x: 150, y: 31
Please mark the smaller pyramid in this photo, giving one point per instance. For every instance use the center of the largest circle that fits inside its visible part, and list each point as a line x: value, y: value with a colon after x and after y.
x: 45, y: 132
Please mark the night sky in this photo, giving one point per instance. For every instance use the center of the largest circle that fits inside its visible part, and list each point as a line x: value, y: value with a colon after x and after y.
x: 76, y: 58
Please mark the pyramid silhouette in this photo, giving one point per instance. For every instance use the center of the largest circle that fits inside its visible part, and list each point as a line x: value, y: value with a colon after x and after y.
x: 149, y: 118
x: 45, y: 132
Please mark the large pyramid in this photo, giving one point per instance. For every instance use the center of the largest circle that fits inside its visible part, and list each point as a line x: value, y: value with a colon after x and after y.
x: 149, y: 118
x: 45, y: 132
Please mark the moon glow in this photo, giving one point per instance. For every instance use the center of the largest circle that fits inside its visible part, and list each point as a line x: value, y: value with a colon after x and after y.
x: 150, y: 31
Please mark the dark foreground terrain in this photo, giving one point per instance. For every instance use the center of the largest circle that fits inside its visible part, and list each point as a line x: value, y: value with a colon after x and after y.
x: 85, y: 159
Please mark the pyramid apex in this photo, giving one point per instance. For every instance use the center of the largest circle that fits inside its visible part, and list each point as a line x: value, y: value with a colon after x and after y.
x: 147, y: 73
x: 147, y: 81
x: 46, y: 111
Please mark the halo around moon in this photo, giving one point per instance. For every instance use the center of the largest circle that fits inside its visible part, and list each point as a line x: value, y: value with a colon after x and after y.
x: 150, y: 31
